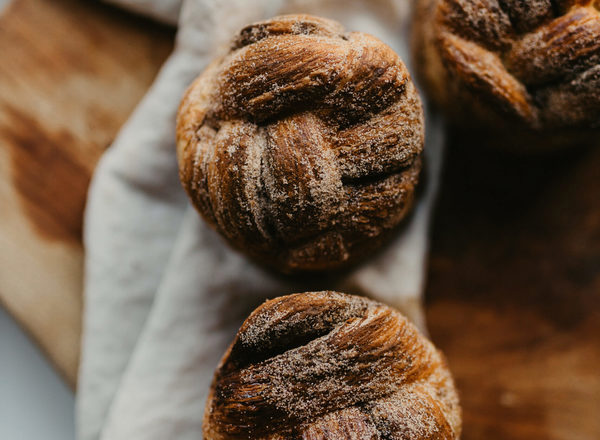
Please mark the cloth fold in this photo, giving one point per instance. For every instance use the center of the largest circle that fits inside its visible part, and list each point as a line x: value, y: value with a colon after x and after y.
x: 164, y: 295
x: 166, y: 11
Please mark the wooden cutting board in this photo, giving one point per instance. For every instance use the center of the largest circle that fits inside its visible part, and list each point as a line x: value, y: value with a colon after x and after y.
x: 514, y: 284
x: 71, y: 72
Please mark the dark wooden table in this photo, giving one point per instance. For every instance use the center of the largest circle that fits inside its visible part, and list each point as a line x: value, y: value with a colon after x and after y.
x: 513, y: 294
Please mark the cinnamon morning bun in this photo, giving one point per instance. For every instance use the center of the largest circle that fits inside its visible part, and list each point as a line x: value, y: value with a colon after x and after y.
x: 326, y: 365
x: 302, y: 145
x: 515, y: 74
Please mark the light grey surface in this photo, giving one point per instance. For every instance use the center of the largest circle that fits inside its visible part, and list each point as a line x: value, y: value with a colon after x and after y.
x: 34, y: 402
x: 3, y: 3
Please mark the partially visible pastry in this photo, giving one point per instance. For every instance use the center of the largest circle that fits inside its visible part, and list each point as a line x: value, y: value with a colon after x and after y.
x: 326, y: 365
x: 302, y: 145
x: 515, y: 74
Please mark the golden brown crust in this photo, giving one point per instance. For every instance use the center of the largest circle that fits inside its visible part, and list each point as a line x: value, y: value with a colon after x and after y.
x: 302, y: 145
x: 326, y: 365
x: 522, y: 75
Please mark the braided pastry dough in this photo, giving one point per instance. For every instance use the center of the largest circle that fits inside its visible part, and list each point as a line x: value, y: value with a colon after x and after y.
x: 331, y: 366
x: 517, y: 74
x: 302, y: 145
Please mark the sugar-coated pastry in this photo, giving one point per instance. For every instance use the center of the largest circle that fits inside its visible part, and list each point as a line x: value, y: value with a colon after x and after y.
x: 302, y: 145
x: 326, y: 365
x: 514, y: 74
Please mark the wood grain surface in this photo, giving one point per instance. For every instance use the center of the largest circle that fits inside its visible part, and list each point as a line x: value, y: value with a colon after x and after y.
x: 514, y: 292
x: 70, y: 74
x: 513, y: 296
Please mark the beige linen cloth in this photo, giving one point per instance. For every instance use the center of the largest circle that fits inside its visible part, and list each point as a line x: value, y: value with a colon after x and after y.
x: 164, y: 295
